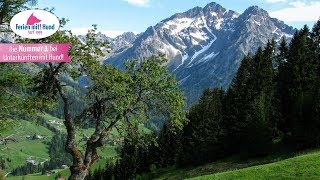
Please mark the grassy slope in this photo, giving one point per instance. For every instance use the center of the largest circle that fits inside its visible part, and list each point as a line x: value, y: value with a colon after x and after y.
x: 106, y: 152
x: 305, y: 166
x: 64, y: 173
x: 301, y: 167
x: 19, y: 151
x: 24, y: 148
x: 285, y: 165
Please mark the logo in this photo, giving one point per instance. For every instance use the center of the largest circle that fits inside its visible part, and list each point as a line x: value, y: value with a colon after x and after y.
x: 32, y: 20
x: 34, y: 24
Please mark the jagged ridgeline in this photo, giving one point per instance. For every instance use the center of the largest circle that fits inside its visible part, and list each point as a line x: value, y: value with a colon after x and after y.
x: 205, y: 46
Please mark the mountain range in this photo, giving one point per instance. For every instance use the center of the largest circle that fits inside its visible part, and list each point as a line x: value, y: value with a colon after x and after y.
x: 204, y: 46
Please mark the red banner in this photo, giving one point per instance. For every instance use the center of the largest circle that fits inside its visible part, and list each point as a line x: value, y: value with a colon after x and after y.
x: 34, y: 52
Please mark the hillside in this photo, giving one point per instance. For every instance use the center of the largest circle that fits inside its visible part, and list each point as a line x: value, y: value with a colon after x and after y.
x: 26, y: 148
x: 16, y: 153
x: 303, y: 165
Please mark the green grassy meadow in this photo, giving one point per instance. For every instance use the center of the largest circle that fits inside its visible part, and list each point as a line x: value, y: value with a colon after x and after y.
x: 305, y: 166
x: 18, y: 152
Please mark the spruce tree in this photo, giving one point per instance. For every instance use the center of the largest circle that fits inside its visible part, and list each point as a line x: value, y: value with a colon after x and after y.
x: 281, y: 80
x: 315, y: 41
x: 237, y: 106
x: 301, y: 91
x: 127, y: 165
x: 249, y: 104
x: 315, y: 36
x: 169, y: 143
x: 108, y: 174
x: 261, y: 110
x: 203, y: 136
x: 135, y: 155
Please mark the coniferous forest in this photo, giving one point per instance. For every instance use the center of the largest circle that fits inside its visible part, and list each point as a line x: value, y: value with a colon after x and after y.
x: 272, y: 104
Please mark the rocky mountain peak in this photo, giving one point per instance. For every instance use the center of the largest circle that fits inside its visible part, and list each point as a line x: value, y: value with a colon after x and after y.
x: 255, y: 11
x: 205, y: 45
x: 128, y: 37
x: 194, y: 12
x: 118, y: 44
x: 214, y: 7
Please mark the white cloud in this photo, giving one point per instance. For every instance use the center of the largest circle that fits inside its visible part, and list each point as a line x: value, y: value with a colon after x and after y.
x: 142, y: 3
x: 300, y: 12
x: 275, y: 1
x: 298, y: 4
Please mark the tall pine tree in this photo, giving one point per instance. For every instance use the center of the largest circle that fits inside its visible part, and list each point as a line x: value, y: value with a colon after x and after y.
x: 237, y: 106
x: 302, y: 77
x: 259, y: 130
x: 249, y: 104
x: 203, y: 136
x: 169, y: 142
x: 281, y: 80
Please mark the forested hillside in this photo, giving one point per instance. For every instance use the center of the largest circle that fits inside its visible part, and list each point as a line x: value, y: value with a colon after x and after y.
x: 272, y: 106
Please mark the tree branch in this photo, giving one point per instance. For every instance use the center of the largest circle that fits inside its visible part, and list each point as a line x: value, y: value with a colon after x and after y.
x: 68, y: 122
x: 91, y: 155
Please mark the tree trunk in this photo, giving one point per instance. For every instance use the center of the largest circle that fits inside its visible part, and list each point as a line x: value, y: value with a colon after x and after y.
x: 80, y: 168
x: 78, y: 173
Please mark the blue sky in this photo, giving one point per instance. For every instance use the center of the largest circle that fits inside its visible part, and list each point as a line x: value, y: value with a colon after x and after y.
x: 117, y: 16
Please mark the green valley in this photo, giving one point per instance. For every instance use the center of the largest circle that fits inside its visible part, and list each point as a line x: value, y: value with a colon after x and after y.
x: 29, y: 144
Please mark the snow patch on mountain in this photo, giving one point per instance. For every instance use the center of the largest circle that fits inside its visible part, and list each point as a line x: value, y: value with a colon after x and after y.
x: 169, y: 49
x: 288, y: 35
x: 177, y: 25
x: 219, y: 22
x: 199, y: 35
x: 183, y: 59
x: 208, y: 57
x: 213, y: 13
x: 235, y: 15
x: 203, y: 49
